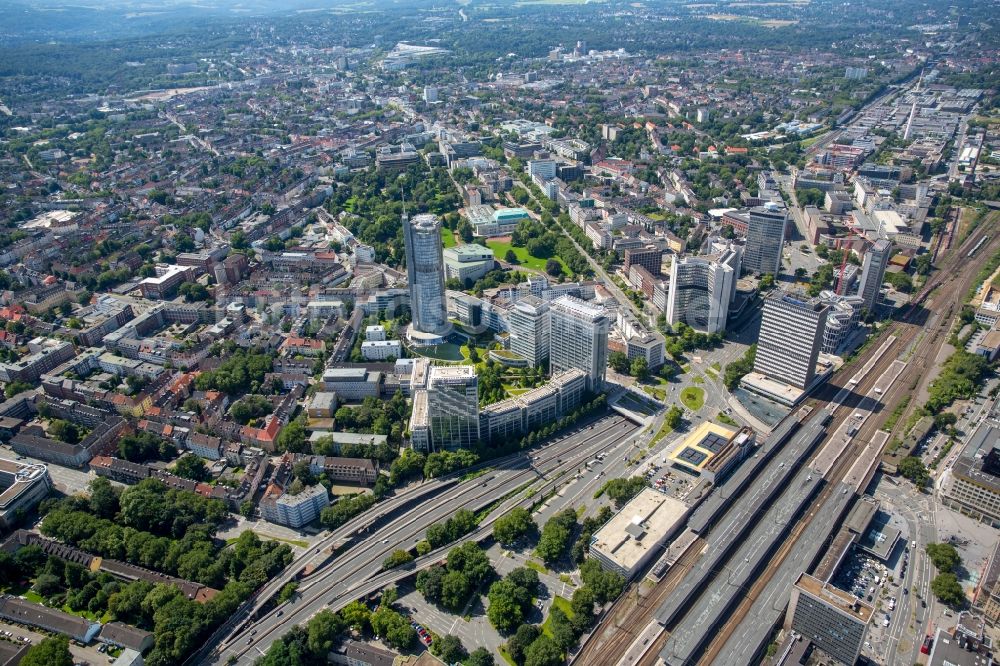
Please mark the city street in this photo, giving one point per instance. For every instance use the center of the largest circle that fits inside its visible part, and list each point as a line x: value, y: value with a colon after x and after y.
x: 66, y: 480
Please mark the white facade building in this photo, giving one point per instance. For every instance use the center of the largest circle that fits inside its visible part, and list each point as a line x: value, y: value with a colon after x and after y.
x: 791, y: 336
x: 699, y: 293
x: 530, y: 329
x: 379, y: 350
x: 579, y: 339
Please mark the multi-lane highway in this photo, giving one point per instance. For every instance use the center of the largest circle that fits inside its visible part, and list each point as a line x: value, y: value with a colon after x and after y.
x: 355, y: 572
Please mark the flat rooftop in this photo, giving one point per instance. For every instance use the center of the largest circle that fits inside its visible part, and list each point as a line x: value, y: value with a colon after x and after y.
x: 641, y: 525
x: 880, y: 539
x: 973, y: 463
x: 578, y: 307
x: 452, y: 372
x: 780, y: 392
x: 836, y: 597
x: 346, y: 374
x: 696, y: 450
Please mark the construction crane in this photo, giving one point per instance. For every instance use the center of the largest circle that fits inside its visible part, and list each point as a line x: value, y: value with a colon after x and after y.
x: 843, y: 264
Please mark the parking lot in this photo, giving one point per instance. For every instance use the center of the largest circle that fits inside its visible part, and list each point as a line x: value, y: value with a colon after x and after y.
x: 66, y: 480
x: 83, y: 655
x: 667, y: 480
x: 878, y: 585
x: 863, y: 576
x: 474, y: 632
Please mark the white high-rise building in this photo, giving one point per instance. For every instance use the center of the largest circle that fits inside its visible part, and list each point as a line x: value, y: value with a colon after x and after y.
x: 765, y: 238
x: 700, y: 291
x: 425, y: 272
x: 841, y: 320
x: 579, y: 339
x: 530, y: 332
x: 453, y: 406
x: 430, y: 94
x: 791, y: 336
x: 873, y: 272
x: 543, y: 168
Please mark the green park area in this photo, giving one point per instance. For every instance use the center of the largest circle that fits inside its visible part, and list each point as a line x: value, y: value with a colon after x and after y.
x: 693, y: 398
x: 562, y: 604
x: 524, y: 258
x: 448, y: 237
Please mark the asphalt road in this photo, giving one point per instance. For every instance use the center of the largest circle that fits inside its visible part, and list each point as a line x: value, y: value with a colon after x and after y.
x: 340, y: 579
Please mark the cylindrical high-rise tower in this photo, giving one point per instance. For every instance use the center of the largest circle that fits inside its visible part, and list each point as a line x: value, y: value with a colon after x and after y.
x: 425, y: 272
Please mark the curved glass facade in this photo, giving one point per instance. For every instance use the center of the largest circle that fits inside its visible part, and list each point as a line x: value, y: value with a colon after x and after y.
x: 425, y: 272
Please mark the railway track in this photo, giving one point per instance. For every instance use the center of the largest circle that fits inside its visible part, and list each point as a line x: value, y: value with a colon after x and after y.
x: 548, y: 465
x: 917, y: 367
x: 912, y: 339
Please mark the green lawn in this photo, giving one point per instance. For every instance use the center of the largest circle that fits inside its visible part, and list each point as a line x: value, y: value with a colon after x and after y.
x: 506, y: 657
x: 663, y: 432
x: 561, y: 603
x: 656, y: 393
x: 693, y: 398
x: 805, y: 143
x: 448, y: 237
x: 524, y: 259
x: 531, y: 564
x: 722, y: 417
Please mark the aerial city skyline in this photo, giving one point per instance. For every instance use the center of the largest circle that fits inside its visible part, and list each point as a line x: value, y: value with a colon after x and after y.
x: 535, y: 333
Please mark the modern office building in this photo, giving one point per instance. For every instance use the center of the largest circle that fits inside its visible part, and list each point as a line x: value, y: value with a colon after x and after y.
x: 765, y: 238
x: 514, y: 417
x: 352, y: 383
x: 530, y: 331
x: 835, y: 621
x: 425, y: 273
x: 843, y: 318
x: 791, y: 336
x: 420, y: 428
x: 22, y: 487
x: 453, y: 406
x: 545, y: 168
x: 973, y: 487
x: 579, y: 339
x: 873, y: 272
x: 700, y: 289
x: 467, y: 262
